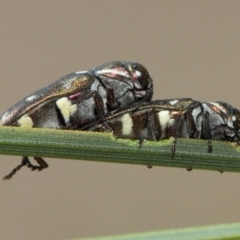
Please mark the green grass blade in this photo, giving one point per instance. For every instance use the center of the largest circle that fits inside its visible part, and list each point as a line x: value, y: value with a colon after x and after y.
x: 217, y: 232
x: 190, y: 153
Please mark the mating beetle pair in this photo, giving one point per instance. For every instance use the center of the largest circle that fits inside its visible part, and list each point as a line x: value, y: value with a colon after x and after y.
x: 116, y: 97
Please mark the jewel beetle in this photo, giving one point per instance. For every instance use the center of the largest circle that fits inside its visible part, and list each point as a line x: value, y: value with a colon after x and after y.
x: 79, y: 98
x: 177, y: 118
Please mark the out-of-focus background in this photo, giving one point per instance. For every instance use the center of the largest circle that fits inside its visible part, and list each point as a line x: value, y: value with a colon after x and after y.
x: 191, y: 48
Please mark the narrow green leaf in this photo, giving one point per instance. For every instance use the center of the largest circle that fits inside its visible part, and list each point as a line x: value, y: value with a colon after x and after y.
x: 217, y: 232
x: 103, y: 147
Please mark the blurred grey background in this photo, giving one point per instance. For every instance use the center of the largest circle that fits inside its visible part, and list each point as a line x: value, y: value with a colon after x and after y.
x: 191, y: 48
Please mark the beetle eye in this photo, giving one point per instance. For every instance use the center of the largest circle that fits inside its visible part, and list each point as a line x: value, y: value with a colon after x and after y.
x: 142, y: 76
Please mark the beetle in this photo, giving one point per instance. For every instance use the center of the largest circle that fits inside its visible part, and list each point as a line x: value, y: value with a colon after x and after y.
x: 79, y: 98
x: 162, y: 119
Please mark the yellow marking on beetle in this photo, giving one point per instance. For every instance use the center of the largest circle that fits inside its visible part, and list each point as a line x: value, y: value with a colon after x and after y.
x: 164, y: 118
x: 127, y: 124
x: 25, y: 121
x: 66, y: 107
x: 173, y: 102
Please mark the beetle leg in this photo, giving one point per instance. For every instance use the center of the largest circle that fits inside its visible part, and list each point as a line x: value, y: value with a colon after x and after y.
x: 191, y: 126
x: 238, y: 140
x: 180, y: 125
x: 26, y: 162
x: 178, y: 132
x: 205, y: 130
x: 40, y: 161
x: 99, y: 104
x: 153, y: 124
x: 173, y: 147
x: 140, y: 143
x: 111, y: 100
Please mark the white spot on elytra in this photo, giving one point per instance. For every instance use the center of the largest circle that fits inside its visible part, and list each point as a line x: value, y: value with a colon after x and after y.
x: 138, y: 73
x: 30, y: 98
x: 66, y: 107
x: 164, y: 117
x: 81, y: 72
x: 25, y: 121
x: 68, y: 84
x: 234, y: 118
x: 4, y: 116
x: 127, y: 124
x: 173, y: 102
